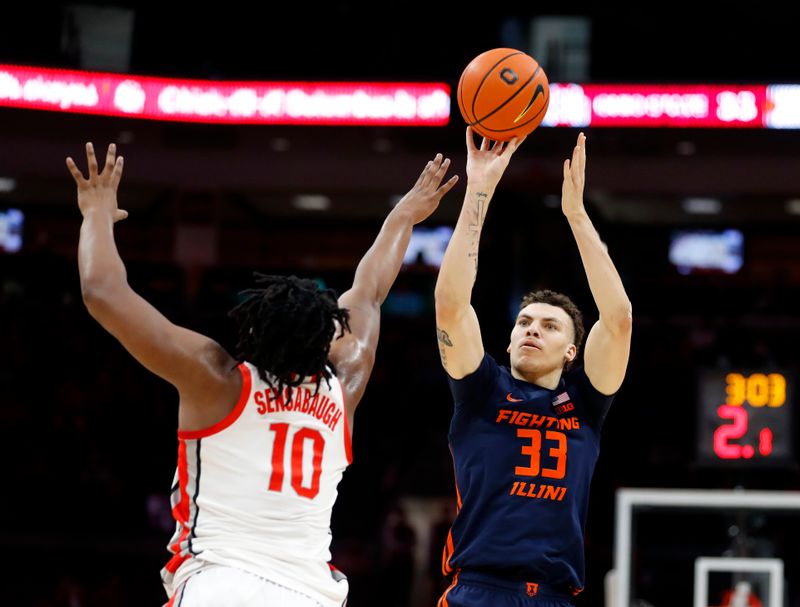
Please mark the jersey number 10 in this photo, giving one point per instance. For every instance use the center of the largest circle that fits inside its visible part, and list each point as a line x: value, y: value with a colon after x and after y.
x: 298, y: 446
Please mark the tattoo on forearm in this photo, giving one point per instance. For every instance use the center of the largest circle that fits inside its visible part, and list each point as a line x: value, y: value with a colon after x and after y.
x: 444, y: 342
x: 475, y: 257
x: 478, y: 223
x: 475, y: 227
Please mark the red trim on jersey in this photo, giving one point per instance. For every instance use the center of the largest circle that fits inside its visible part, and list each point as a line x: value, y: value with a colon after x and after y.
x: 455, y: 482
x: 174, y: 596
x: 447, y: 553
x: 177, y: 560
x: 348, y: 439
x: 180, y: 511
x: 443, y: 601
x: 231, y: 417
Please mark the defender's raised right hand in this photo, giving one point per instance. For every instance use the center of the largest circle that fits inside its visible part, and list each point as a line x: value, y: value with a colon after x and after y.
x: 99, y: 191
x: 423, y: 199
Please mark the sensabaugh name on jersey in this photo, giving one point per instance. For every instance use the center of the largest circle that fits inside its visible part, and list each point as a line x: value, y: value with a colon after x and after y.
x: 303, y: 400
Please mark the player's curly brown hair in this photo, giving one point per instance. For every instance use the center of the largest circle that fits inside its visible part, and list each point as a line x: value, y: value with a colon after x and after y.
x: 565, y: 303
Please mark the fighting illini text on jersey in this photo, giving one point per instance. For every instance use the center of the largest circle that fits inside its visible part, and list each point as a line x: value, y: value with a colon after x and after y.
x: 524, y: 457
x: 256, y: 490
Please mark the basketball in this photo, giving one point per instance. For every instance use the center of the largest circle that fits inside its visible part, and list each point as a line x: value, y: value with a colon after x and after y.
x: 503, y: 93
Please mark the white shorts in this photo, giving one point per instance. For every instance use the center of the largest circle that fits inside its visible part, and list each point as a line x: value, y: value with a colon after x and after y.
x: 221, y: 586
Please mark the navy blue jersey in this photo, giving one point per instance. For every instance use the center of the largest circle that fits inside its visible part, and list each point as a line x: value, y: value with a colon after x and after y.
x: 524, y: 457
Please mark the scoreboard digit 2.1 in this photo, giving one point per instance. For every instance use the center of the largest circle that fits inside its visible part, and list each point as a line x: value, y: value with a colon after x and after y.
x: 745, y: 418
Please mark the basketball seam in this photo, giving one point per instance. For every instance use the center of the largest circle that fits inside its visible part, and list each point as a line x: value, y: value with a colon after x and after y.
x: 461, y: 99
x: 483, y: 80
x: 506, y: 102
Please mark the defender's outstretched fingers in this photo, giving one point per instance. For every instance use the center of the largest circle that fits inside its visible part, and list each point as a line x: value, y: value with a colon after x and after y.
x: 440, y: 173
x: 92, y: 161
x: 75, y: 172
x: 111, y: 158
x: 116, y: 175
x: 447, y: 186
x: 433, y: 170
x: 422, y: 174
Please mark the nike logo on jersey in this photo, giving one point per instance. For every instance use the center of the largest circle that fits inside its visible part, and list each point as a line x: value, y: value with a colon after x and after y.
x: 511, y: 399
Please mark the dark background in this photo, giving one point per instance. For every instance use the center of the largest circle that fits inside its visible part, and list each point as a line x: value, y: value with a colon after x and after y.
x: 89, y: 436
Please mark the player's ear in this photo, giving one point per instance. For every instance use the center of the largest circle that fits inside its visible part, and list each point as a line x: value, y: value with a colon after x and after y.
x: 571, y: 353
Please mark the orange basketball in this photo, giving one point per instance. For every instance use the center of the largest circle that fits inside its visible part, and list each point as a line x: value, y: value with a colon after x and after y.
x: 503, y: 93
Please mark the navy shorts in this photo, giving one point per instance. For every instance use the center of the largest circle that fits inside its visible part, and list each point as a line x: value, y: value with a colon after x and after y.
x: 472, y: 589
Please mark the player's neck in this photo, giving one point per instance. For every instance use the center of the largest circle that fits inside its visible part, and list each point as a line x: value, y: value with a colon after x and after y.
x: 547, y: 379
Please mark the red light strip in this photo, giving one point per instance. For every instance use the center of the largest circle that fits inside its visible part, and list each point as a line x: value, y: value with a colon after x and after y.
x: 309, y: 103
x: 674, y: 106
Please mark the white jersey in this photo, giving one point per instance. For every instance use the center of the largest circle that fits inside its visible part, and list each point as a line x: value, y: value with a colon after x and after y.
x: 256, y: 490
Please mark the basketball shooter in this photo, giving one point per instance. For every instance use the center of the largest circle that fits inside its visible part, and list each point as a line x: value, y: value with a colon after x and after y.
x: 264, y: 434
x: 525, y: 438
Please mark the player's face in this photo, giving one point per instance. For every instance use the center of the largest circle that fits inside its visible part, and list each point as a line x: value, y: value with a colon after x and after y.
x: 541, y: 339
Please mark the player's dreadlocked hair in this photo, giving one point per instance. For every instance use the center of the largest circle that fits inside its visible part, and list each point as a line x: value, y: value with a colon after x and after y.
x: 285, y: 329
x: 565, y: 303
